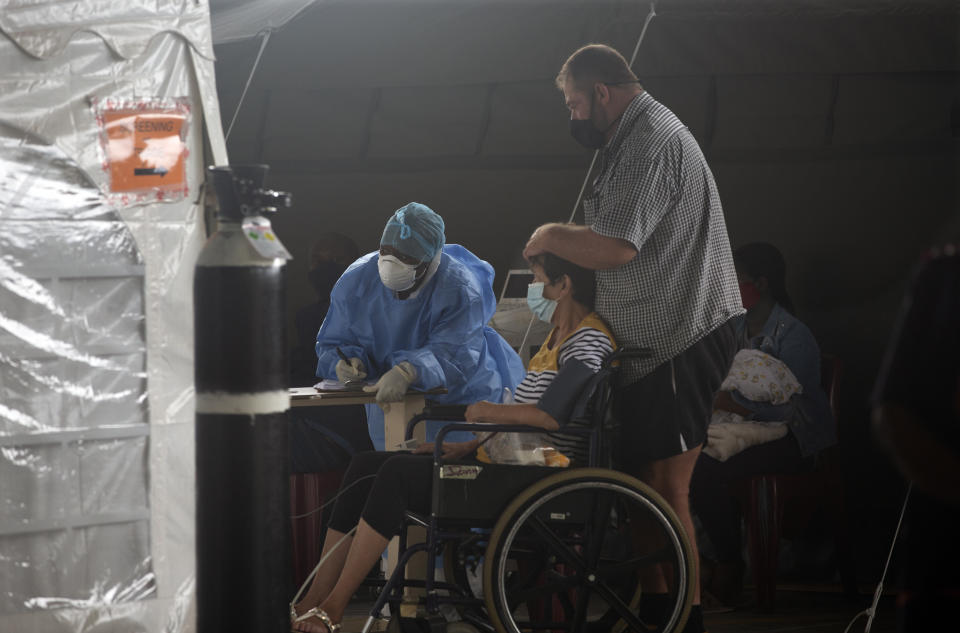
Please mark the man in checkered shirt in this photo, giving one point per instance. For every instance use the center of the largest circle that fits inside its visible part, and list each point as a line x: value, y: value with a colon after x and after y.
x: 656, y: 236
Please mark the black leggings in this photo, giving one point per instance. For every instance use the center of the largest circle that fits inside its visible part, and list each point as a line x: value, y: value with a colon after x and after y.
x: 403, y: 482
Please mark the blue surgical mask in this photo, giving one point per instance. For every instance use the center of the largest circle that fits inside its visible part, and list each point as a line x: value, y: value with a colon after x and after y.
x: 540, y: 305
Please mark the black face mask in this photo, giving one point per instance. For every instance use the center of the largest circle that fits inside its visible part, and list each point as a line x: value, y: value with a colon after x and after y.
x: 323, y: 277
x: 585, y: 132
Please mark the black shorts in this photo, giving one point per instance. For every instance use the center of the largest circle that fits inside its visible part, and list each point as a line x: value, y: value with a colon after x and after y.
x: 666, y: 412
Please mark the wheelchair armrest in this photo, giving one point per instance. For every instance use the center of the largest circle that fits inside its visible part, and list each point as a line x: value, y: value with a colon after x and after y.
x: 484, y: 427
x: 478, y: 427
x: 437, y: 412
x: 445, y: 411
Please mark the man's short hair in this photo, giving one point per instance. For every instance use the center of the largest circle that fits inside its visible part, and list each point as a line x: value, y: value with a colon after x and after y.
x: 592, y: 64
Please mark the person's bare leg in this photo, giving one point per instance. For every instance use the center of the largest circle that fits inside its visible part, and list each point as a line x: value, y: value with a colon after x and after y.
x: 648, y: 538
x: 326, y: 577
x: 365, y: 550
x: 671, y: 478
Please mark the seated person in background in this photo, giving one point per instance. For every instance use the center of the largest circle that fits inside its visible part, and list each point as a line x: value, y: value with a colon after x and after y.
x: 768, y: 327
x: 414, y: 315
x: 917, y: 418
x: 562, y: 294
x: 322, y: 439
x: 330, y: 255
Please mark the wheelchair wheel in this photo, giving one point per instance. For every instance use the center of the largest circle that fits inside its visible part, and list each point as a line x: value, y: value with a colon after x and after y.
x: 573, y: 551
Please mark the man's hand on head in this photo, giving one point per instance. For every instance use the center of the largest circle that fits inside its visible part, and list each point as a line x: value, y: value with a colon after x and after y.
x: 537, y: 244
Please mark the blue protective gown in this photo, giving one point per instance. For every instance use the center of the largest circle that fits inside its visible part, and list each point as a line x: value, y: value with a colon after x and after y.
x: 443, y: 332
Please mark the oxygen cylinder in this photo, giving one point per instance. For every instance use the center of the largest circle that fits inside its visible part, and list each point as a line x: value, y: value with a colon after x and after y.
x: 243, y: 506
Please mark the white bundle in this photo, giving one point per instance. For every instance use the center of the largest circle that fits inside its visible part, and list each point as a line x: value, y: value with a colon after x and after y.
x: 760, y: 377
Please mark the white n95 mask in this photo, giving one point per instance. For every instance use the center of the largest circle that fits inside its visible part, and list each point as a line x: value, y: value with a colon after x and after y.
x: 396, y: 275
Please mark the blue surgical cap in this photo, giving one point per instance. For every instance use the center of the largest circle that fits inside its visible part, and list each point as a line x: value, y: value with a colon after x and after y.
x: 414, y: 230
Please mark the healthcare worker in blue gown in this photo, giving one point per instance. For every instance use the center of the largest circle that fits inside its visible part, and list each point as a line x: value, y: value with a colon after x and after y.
x: 414, y: 315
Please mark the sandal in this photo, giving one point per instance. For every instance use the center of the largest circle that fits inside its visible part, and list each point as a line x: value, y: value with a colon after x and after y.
x: 315, y: 612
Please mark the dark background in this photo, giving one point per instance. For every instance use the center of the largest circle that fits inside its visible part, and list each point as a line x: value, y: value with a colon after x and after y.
x: 831, y: 127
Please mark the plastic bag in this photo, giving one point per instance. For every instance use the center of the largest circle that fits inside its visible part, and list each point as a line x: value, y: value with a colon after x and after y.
x: 519, y: 449
x: 522, y: 449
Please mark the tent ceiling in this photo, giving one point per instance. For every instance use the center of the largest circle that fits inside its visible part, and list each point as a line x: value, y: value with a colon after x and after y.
x: 234, y: 20
x: 413, y: 85
x: 805, y: 110
x: 43, y: 29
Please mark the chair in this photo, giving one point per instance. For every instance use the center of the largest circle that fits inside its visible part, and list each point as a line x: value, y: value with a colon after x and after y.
x: 557, y: 544
x: 769, y: 494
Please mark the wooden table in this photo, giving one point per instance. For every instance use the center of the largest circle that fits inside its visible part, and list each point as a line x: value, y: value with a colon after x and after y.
x: 394, y: 421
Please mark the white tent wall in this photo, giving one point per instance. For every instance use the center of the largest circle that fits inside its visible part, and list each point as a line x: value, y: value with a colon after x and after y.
x: 55, y: 57
x: 831, y: 128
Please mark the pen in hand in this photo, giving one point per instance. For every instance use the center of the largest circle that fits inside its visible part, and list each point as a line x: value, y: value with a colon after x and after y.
x: 354, y: 384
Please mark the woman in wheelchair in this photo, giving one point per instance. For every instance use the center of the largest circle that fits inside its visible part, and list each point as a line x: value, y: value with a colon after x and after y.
x: 380, y: 486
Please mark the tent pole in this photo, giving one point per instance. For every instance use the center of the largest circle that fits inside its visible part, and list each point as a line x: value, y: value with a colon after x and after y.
x: 256, y: 62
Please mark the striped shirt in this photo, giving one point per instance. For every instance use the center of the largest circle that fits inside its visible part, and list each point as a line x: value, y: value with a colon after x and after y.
x: 655, y: 190
x: 588, y: 345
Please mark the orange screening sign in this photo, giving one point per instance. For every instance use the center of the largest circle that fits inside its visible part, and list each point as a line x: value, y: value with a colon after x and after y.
x: 144, y: 148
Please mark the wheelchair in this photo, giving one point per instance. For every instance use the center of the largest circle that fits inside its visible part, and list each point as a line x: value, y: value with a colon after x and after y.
x: 560, y: 549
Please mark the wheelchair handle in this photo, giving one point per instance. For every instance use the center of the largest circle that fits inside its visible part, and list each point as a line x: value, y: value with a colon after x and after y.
x: 628, y: 352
